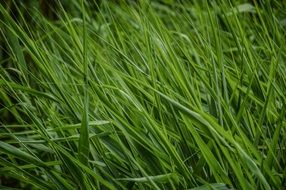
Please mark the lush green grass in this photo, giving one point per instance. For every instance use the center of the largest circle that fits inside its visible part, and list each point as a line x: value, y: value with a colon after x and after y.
x: 144, y: 96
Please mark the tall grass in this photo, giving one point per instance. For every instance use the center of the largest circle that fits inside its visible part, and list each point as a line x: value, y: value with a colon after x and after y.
x: 144, y: 96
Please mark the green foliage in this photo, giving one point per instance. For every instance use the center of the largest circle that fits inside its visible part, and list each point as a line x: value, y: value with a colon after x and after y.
x: 143, y: 95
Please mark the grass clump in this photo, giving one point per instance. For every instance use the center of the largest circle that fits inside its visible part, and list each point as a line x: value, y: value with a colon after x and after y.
x: 144, y: 95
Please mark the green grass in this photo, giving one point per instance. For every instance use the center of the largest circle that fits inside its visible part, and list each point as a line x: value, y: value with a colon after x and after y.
x: 144, y: 96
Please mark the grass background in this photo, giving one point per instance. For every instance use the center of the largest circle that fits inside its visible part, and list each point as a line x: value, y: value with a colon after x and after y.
x: 142, y: 95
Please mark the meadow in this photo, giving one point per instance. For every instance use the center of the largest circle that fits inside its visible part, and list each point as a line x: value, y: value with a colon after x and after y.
x: 143, y: 95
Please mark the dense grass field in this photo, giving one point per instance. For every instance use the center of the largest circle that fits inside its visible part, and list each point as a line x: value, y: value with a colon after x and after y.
x: 143, y: 95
